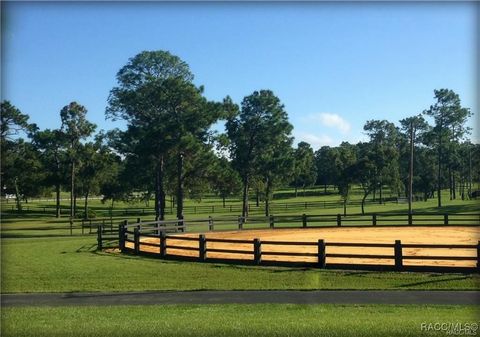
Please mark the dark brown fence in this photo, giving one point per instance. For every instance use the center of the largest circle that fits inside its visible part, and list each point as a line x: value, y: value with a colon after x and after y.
x: 167, y: 243
x: 275, y: 207
x: 202, y: 251
x: 321, y: 220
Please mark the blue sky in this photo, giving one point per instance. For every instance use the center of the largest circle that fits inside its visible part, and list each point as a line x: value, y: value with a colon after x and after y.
x: 333, y: 65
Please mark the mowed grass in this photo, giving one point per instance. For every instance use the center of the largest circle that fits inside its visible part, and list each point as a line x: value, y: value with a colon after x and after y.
x: 233, y: 320
x: 37, y: 258
x: 38, y: 224
x: 73, y: 265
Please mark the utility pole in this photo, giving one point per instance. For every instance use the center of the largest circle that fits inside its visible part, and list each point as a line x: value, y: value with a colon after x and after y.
x: 469, y: 169
x: 180, y: 186
x: 410, y: 176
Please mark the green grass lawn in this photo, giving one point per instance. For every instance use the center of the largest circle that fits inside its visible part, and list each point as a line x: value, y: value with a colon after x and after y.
x: 39, y: 224
x: 280, y: 198
x: 72, y: 264
x: 38, y: 256
x: 233, y: 320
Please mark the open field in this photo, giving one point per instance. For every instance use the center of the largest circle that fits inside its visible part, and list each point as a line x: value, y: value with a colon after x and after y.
x: 36, y: 224
x: 283, y: 202
x: 66, y: 264
x: 408, y: 235
x: 39, y: 255
x: 233, y: 320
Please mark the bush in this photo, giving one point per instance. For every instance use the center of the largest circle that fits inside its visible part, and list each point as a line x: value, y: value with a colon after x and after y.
x: 90, y: 215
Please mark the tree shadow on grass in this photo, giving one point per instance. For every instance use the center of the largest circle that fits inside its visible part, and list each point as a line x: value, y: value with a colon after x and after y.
x: 457, y: 278
x: 87, y: 248
x: 17, y: 235
x: 449, y: 209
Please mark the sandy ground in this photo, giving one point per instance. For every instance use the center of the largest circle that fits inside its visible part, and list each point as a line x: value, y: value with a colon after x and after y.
x: 424, y: 235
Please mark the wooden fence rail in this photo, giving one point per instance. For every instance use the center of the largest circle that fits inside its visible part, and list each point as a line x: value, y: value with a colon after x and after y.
x: 275, y: 207
x: 297, y: 221
x: 322, y: 253
x: 129, y: 237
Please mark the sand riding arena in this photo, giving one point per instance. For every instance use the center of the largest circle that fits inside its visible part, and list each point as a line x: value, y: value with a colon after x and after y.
x: 429, y: 246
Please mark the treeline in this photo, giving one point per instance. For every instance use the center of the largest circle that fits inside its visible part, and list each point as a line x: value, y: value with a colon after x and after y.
x: 169, y: 149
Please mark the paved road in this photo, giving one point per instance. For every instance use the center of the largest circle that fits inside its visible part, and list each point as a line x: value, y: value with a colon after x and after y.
x: 243, y: 297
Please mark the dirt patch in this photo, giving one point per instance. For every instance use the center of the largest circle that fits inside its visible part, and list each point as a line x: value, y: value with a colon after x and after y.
x: 408, y: 235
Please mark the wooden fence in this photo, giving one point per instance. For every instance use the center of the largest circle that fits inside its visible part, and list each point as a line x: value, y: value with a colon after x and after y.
x: 275, y: 207
x: 322, y: 220
x: 134, y: 237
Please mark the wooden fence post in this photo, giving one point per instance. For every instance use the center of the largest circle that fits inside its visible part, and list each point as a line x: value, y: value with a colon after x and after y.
x: 136, y: 239
x: 445, y: 219
x: 210, y: 223
x: 99, y: 237
x: 121, y: 237
x: 339, y: 219
x: 304, y: 220
x: 410, y: 219
x: 398, y: 255
x: 478, y: 255
x: 321, y: 254
x: 181, y: 223
x: 240, y: 222
x: 374, y: 219
x: 163, y: 244
x: 272, y: 221
x: 202, y: 247
x: 257, y: 251
x: 125, y: 224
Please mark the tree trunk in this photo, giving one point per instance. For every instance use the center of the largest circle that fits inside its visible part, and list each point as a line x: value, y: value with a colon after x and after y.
x: 345, y: 207
x: 156, y: 204
x: 85, y: 209
x: 17, y: 196
x: 325, y: 188
x: 296, y: 189
x: 57, y: 204
x: 180, y: 186
x: 304, y: 191
x: 257, y: 198
x: 267, y: 197
x: 245, y: 197
x: 380, y: 196
x: 223, y: 200
x: 454, y: 186
x: 159, y: 191
x: 450, y: 182
x: 72, y: 188
x: 74, y: 203
x: 363, y: 202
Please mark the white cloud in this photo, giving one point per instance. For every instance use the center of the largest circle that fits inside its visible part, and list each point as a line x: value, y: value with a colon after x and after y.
x: 332, y: 121
x: 315, y: 141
